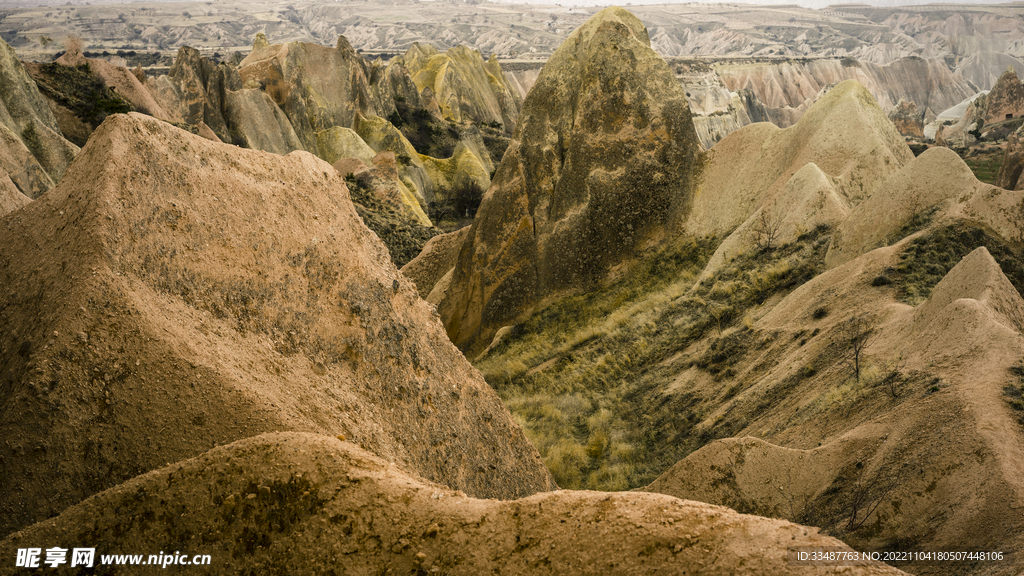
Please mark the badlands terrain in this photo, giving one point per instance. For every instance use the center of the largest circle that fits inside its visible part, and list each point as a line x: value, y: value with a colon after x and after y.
x: 353, y: 288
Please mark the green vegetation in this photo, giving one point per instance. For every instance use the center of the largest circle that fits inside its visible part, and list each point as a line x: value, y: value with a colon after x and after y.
x: 986, y: 165
x: 456, y: 208
x: 929, y: 258
x: 918, y: 221
x: 427, y: 134
x: 403, y: 237
x: 495, y: 140
x: 84, y: 94
x: 590, y: 377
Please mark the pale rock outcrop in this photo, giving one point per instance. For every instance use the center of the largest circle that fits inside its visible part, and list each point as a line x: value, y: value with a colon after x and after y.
x: 33, y: 152
x: 438, y: 258
x: 204, y: 93
x: 1006, y: 99
x: 521, y: 80
x: 173, y: 294
x: 788, y: 88
x: 338, y: 142
x: 983, y: 68
x: 318, y: 87
x: 462, y: 169
x: 845, y: 134
x: 602, y: 165
x: 716, y: 110
x: 467, y: 88
x: 196, y: 89
x: 255, y: 121
x: 908, y: 120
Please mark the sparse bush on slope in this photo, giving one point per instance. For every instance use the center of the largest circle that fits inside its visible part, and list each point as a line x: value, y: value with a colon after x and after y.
x: 76, y: 88
x: 588, y: 379
x: 930, y: 257
x: 404, y: 238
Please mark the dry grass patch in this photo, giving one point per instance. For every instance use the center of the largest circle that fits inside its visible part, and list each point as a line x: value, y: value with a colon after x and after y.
x: 589, y: 376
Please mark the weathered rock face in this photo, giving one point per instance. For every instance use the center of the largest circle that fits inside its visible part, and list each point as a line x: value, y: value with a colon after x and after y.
x: 1006, y: 99
x: 172, y: 294
x: 308, y: 499
x: 788, y: 88
x: 33, y: 152
x: 201, y: 88
x: 204, y: 93
x: 602, y: 163
x: 909, y: 121
x: 337, y: 143
x: 1013, y: 163
x: 717, y: 111
x: 983, y: 68
x: 255, y: 121
x: 438, y: 258
x: 318, y: 87
x: 466, y: 87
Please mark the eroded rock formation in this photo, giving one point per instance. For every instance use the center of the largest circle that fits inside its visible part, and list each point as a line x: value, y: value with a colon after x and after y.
x: 173, y: 294
x: 1006, y: 99
x: 33, y: 153
x: 602, y: 163
x: 466, y: 87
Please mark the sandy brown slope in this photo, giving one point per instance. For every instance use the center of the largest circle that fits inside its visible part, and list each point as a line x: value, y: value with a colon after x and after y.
x: 172, y: 294
x: 937, y: 466
x: 286, y: 502
x: 845, y: 134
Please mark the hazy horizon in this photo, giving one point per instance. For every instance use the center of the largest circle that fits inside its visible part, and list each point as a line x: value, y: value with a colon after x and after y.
x: 813, y: 4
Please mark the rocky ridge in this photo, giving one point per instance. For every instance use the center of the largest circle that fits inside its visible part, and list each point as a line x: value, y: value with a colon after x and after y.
x: 189, y: 294
x: 267, y: 502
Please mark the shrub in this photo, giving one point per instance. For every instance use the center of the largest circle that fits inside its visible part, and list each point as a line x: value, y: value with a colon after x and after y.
x: 77, y: 89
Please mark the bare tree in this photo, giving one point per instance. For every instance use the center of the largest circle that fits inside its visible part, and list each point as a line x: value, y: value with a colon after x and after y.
x: 855, y: 334
x: 766, y: 230
x: 894, y: 376
x: 866, y: 497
